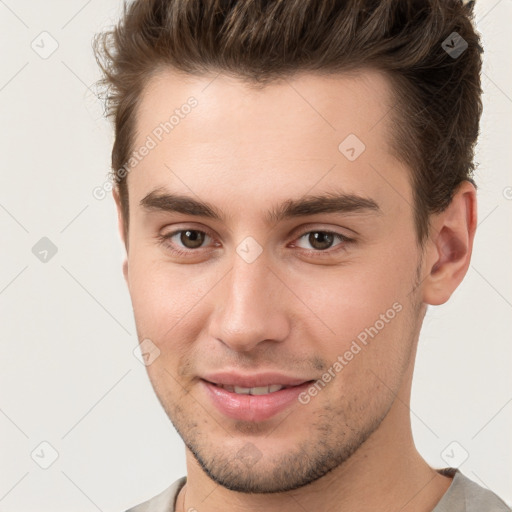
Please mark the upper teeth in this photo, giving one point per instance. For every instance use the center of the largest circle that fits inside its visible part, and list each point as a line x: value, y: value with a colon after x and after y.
x: 261, y: 390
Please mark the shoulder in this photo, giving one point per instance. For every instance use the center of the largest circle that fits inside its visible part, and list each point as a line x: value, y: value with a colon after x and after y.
x: 465, y: 495
x: 163, y: 502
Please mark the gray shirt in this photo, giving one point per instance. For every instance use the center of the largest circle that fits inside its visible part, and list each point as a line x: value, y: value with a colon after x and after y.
x: 463, y: 495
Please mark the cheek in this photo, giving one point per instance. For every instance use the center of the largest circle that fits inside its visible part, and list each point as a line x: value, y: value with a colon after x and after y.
x: 166, y: 302
x: 352, y: 298
x: 365, y: 311
x: 155, y: 294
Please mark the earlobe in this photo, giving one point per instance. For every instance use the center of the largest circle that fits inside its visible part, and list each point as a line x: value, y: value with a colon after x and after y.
x: 450, y: 246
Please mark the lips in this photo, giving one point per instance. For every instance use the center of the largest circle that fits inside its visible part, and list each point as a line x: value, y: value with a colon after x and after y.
x: 252, y: 397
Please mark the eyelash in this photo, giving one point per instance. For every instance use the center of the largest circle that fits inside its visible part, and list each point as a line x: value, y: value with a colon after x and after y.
x: 344, y: 240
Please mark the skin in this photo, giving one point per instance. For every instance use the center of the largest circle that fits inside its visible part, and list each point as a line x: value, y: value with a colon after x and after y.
x: 296, y: 308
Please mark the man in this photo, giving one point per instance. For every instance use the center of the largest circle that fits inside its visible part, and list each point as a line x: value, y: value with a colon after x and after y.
x: 293, y: 184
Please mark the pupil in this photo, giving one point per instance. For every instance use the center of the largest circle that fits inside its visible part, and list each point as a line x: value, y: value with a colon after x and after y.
x: 321, y: 240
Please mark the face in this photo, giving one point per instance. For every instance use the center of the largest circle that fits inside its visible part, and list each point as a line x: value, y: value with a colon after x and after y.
x: 289, y: 258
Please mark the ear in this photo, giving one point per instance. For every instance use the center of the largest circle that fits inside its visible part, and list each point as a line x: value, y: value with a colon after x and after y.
x: 450, y: 244
x: 120, y: 227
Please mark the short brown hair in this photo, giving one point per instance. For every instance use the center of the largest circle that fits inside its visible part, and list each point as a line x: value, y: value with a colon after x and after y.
x: 438, y: 96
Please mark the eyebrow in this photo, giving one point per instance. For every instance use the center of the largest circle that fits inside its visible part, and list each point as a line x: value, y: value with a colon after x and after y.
x: 330, y: 202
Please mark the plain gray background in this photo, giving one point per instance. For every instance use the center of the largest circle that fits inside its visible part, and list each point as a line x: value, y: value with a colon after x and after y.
x: 68, y: 376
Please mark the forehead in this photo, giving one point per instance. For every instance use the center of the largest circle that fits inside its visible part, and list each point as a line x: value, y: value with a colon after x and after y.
x: 214, y: 133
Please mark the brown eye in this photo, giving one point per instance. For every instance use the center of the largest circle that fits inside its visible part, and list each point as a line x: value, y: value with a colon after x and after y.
x: 184, y: 242
x: 320, y: 240
x: 192, y: 239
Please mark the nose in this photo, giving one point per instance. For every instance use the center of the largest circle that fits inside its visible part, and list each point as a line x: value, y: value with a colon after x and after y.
x: 250, y: 307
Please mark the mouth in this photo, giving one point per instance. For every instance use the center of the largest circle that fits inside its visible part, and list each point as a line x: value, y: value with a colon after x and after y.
x: 257, y: 403
x: 258, y: 390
